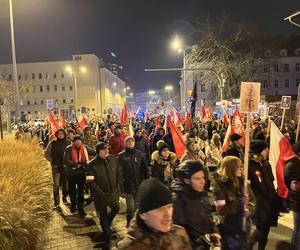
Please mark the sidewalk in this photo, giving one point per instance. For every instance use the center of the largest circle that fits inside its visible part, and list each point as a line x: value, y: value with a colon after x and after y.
x: 69, y: 231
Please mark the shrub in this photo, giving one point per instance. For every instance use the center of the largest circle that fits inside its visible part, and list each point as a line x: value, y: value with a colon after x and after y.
x: 25, y: 191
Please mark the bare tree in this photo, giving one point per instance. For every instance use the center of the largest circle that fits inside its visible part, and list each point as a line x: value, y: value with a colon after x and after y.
x: 223, y: 50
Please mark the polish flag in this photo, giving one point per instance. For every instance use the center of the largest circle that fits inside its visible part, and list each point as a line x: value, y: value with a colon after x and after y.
x: 62, y: 119
x: 210, y: 113
x: 130, y: 129
x: 187, y: 121
x: 157, y: 123
x: 203, y: 113
x: 177, y: 139
x: 81, y: 121
x: 280, y: 152
x: 227, y: 138
x: 54, y: 124
x: 124, y: 115
x: 225, y: 117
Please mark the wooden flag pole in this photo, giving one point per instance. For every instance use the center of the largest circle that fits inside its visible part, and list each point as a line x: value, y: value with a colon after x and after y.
x: 282, y: 120
x: 246, y: 165
x: 269, y: 125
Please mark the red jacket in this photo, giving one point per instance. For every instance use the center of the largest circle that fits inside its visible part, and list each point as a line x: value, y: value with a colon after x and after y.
x: 116, y: 143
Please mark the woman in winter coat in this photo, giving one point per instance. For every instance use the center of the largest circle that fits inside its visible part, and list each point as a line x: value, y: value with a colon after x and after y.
x: 213, y: 153
x: 163, y: 163
x: 267, y: 200
x: 230, y: 203
x: 192, y: 208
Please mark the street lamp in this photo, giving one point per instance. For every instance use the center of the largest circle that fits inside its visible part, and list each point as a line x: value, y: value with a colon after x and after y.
x: 128, y: 88
x: 74, y: 73
x: 151, y: 92
x: 177, y: 45
x: 131, y: 94
x: 168, y: 88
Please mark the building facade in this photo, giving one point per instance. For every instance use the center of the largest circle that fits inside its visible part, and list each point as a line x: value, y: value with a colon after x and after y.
x: 81, y: 84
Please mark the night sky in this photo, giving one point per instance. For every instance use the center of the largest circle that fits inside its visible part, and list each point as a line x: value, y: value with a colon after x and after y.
x: 138, y: 31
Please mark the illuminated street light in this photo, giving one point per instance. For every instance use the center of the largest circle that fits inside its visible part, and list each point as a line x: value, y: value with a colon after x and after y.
x: 83, y: 69
x: 177, y: 44
x: 114, y: 84
x: 131, y: 94
x: 169, y: 87
x: 151, y: 92
x: 128, y: 88
x: 124, y: 89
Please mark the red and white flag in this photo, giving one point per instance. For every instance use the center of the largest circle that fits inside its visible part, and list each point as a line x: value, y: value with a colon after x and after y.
x: 238, y: 126
x: 227, y: 138
x: 280, y: 152
x: 177, y: 139
x: 130, y: 129
x: 124, y: 115
x: 203, y: 112
x: 187, y: 120
x: 62, y: 119
x: 225, y: 117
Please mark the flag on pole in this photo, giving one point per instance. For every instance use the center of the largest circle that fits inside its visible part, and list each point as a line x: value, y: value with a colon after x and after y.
x: 124, y: 115
x: 225, y: 117
x: 238, y: 126
x: 177, y: 139
x: 210, y: 113
x: 157, y: 123
x: 130, y: 129
x: 53, y: 123
x: 62, y: 119
x: 187, y: 121
x: 226, y: 139
x: 203, y: 112
x: 97, y: 130
x: 194, y: 100
x: 280, y: 152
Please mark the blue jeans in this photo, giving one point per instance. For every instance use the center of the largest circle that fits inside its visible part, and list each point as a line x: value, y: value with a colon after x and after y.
x: 296, y: 231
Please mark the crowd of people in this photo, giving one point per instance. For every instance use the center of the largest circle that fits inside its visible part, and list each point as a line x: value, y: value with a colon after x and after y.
x: 196, y: 202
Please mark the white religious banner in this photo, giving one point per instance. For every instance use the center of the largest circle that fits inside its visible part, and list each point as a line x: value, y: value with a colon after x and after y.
x: 286, y: 102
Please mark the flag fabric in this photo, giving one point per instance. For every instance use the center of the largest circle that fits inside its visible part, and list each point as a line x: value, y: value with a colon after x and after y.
x: 180, y: 120
x: 280, y: 152
x: 97, y: 130
x: 157, y: 123
x: 210, y: 113
x: 124, y: 115
x: 177, y: 139
x: 225, y: 117
x: 83, y: 122
x: 226, y: 139
x: 130, y: 129
x: 62, y: 119
x: 175, y: 116
x: 194, y: 100
x: 187, y: 121
x: 53, y: 123
x: 203, y: 112
x: 238, y: 126
x: 146, y: 116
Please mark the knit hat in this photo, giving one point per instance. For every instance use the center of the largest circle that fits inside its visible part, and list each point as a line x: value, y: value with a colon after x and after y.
x: 101, y: 146
x: 235, y: 137
x: 186, y: 169
x: 258, y: 146
x: 162, y: 146
x: 77, y: 137
x: 128, y: 138
x: 153, y: 194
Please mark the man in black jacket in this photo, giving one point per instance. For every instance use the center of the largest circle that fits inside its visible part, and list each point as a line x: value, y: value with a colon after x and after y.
x: 141, y: 144
x: 134, y: 169
x: 192, y: 209
x: 235, y: 148
x: 292, y: 182
x: 55, y: 155
x: 104, y: 180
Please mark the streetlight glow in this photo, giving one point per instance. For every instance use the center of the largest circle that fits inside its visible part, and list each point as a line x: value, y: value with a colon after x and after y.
x: 69, y: 69
x: 83, y: 69
x: 114, y: 84
x: 151, y: 92
x: 131, y: 94
x: 128, y: 88
x: 177, y: 44
x: 169, y: 87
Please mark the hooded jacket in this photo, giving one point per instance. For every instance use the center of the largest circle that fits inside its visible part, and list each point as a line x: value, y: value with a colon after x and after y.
x: 116, y: 143
x: 192, y: 210
x: 139, y: 236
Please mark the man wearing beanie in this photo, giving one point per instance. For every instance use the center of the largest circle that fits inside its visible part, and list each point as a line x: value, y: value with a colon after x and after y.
x: 134, y: 170
x: 267, y: 201
x: 192, y: 208
x: 236, y: 147
x: 152, y: 226
x: 103, y: 179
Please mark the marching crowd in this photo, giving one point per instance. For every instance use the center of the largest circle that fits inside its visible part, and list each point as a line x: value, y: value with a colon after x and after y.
x: 195, y: 202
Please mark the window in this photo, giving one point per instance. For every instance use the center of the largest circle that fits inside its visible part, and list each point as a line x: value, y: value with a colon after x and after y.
x: 35, y: 102
x: 71, y: 88
x: 287, y: 83
x: 28, y: 102
x: 202, y: 87
x: 33, y: 76
x: 62, y: 75
x: 19, y: 77
x: 54, y: 75
x: 276, y: 84
x: 47, y: 76
x: 41, y: 88
x: 55, y: 88
x: 63, y: 88
x: 27, y: 90
x: 265, y: 84
x: 283, y: 52
x: 286, y: 67
x: 40, y: 76
x: 297, y: 82
x: 64, y: 100
x: 276, y: 67
x: 42, y: 102
x: 48, y: 88
x: 297, y: 66
x: 71, y: 100
x: 265, y: 68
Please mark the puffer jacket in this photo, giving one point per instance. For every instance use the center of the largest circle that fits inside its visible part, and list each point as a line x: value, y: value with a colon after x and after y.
x: 163, y: 169
x: 133, y: 168
x: 192, y: 210
x: 139, y: 236
x: 292, y: 173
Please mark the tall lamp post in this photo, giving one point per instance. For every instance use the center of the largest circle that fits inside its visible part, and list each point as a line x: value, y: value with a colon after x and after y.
x: 168, y: 88
x: 14, y: 60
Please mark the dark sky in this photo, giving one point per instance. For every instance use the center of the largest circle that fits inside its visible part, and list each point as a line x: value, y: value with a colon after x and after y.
x: 138, y: 31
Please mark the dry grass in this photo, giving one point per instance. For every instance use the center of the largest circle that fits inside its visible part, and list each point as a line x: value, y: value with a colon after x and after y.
x: 25, y: 191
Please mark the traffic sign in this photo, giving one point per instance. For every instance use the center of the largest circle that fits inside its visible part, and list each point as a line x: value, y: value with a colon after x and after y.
x: 49, y: 104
